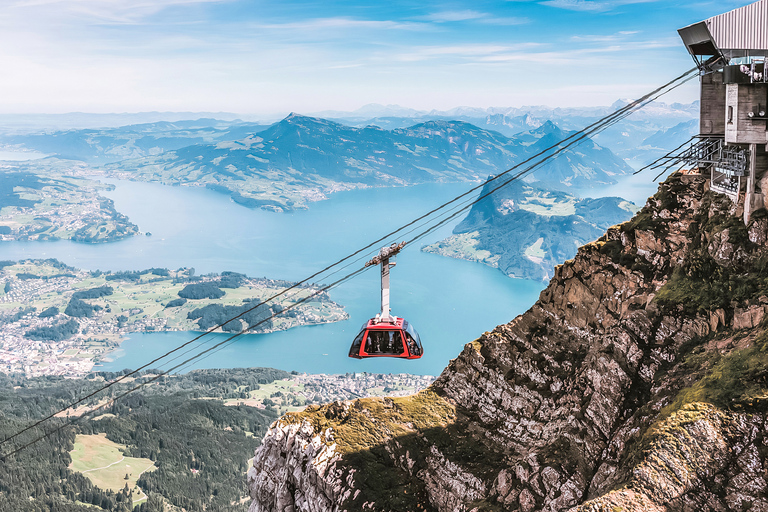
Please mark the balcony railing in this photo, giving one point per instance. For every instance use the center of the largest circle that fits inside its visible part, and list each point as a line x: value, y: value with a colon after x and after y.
x: 712, y: 152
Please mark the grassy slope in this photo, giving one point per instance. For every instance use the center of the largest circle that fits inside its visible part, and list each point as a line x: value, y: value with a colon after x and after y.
x: 103, y: 462
x: 150, y: 295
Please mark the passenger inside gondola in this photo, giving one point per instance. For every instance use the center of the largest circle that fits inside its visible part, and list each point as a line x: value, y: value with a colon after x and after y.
x: 384, y: 342
x: 394, y: 343
x: 376, y: 342
x: 413, y: 348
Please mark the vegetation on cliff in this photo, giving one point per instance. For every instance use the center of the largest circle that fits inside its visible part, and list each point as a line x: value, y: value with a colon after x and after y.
x: 638, y: 381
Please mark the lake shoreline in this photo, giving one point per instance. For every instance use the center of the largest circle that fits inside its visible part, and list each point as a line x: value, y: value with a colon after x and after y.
x: 194, y: 227
x: 59, y: 320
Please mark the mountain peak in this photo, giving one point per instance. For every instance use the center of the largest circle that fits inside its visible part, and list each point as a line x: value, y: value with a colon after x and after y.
x: 294, y: 119
x: 293, y: 116
x: 547, y: 128
x: 620, y: 103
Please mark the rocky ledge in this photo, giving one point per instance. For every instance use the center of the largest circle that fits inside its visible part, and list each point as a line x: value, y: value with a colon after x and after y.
x: 638, y: 381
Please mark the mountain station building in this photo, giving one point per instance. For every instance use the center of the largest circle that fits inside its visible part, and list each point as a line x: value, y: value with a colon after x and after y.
x: 730, y: 51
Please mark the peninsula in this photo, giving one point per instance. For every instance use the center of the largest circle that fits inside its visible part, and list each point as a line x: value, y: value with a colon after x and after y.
x: 46, y: 205
x: 58, y: 320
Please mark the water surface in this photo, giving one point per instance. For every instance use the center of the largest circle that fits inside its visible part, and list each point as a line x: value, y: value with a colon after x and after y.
x: 451, y: 302
x: 20, y: 156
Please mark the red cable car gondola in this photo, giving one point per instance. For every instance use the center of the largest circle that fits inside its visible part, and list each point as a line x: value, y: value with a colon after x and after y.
x: 385, y: 335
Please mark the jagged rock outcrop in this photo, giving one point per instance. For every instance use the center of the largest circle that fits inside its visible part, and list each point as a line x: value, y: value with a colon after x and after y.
x: 637, y: 382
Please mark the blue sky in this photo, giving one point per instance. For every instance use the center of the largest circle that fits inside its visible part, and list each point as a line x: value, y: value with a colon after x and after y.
x: 272, y: 57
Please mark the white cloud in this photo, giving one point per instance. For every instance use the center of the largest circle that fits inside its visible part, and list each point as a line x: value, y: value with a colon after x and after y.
x: 99, y: 11
x: 534, y: 52
x: 446, y: 16
x: 592, y: 5
x: 606, y: 38
x: 504, y: 21
x: 343, y: 23
x: 122, y: 55
x: 472, y: 16
x: 473, y: 51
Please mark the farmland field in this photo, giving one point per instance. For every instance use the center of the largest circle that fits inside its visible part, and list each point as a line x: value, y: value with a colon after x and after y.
x: 103, y: 462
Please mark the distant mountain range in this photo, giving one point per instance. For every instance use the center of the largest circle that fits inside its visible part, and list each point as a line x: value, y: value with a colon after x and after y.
x: 655, y: 110
x: 104, y: 138
x: 302, y: 159
x: 102, y: 145
x: 525, y: 230
x: 18, y: 124
x: 626, y: 139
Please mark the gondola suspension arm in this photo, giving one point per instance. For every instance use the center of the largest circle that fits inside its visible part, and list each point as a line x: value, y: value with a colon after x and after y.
x: 383, y: 259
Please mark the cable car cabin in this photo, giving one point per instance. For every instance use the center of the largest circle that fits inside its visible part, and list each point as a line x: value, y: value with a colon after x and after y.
x: 385, y: 335
x: 384, y: 339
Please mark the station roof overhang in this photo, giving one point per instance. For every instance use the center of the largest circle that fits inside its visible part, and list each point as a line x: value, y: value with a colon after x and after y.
x: 742, y: 32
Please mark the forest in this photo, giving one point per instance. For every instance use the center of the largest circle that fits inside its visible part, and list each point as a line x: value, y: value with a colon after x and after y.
x: 252, y: 313
x: 93, y: 293
x: 58, y: 332
x: 206, y: 290
x: 78, y: 308
x: 10, y: 181
x: 179, y: 422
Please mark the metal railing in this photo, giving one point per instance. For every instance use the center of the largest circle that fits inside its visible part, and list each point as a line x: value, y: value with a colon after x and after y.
x: 712, y: 152
x: 728, y: 185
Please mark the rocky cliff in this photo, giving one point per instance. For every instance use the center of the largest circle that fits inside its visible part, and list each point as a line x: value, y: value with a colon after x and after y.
x: 638, y: 381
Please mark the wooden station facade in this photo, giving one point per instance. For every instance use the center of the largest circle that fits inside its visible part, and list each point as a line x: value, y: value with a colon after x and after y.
x: 730, y: 51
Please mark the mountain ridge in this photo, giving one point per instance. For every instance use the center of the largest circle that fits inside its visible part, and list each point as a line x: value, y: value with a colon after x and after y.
x: 315, y: 157
x: 525, y: 231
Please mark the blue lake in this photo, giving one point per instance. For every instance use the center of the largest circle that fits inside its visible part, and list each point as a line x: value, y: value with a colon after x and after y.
x: 450, y: 302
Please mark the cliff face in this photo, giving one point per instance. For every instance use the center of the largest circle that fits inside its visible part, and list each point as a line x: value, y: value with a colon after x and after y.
x: 638, y: 381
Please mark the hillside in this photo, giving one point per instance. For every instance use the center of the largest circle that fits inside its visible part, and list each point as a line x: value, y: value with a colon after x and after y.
x: 53, y: 207
x: 525, y: 231
x: 303, y: 159
x: 638, y: 381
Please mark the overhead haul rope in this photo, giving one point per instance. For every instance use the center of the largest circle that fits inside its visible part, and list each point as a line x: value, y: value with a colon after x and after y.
x: 574, y: 138
x: 657, y: 163
x: 166, y: 372
x: 685, y: 161
x: 580, y: 138
x: 670, y: 159
x: 582, y: 134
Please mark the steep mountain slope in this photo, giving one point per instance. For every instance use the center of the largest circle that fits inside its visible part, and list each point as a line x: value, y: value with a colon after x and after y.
x: 301, y: 159
x: 638, y: 381
x: 586, y: 165
x: 524, y: 230
x: 674, y: 136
